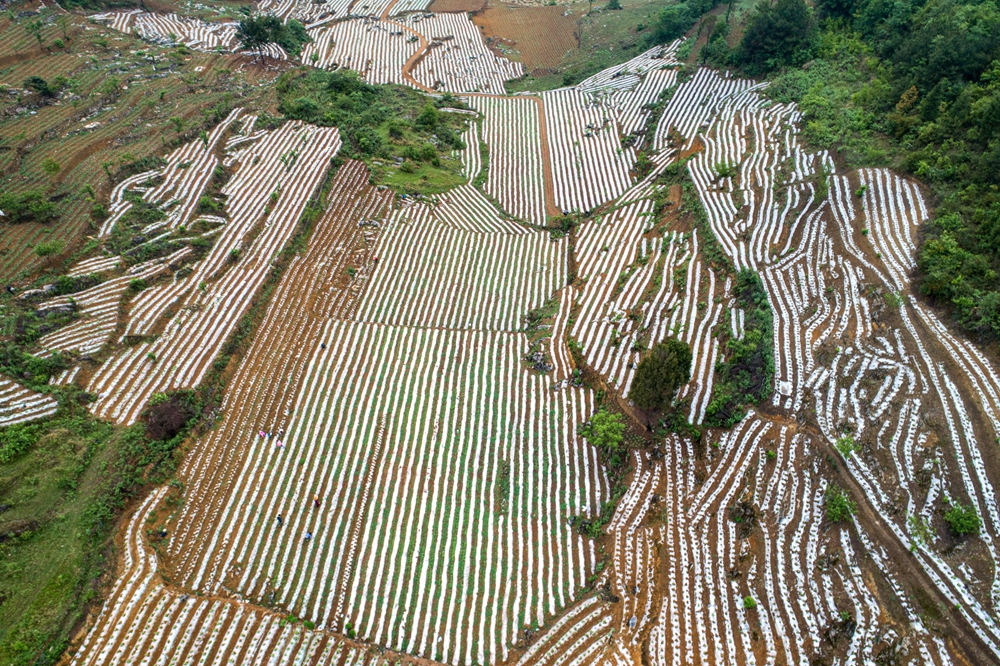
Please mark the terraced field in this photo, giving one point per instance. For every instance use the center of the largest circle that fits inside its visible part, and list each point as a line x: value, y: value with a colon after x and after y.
x: 403, y: 465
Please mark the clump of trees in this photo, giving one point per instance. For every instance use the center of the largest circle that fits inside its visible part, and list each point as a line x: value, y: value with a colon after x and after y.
x: 778, y: 33
x: 29, y: 206
x: 373, y: 120
x: 257, y: 32
x: 660, y: 373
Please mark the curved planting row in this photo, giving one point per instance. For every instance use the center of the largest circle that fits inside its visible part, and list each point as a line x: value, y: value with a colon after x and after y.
x: 19, y: 404
x: 265, y: 198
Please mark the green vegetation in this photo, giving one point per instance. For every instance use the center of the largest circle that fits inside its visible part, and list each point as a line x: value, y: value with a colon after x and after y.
x: 838, y: 505
x: 846, y: 445
x: 913, y: 85
x: 963, y: 520
x: 776, y: 34
x: 49, y: 248
x: 28, y: 206
x: 401, y: 133
x: 606, y: 431
x: 745, y: 376
x: 749, y: 603
x: 63, y: 482
x: 660, y: 373
x: 257, y: 32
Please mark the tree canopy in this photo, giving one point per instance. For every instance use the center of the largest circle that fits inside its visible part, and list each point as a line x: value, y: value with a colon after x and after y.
x: 660, y: 373
x: 777, y: 34
x: 256, y: 32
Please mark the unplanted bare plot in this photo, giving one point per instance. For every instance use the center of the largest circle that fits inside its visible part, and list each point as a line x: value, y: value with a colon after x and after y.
x: 541, y: 36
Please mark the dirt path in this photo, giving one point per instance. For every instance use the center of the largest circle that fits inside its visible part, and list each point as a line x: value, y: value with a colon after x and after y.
x: 550, y: 193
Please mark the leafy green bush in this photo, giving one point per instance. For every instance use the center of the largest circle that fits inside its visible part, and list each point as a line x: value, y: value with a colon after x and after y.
x: 606, y: 431
x: 749, y: 603
x: 49, y: 248
x: 28, y: 206
x: 16, y: 440
x: 963, y: 520
x: 839, y: 507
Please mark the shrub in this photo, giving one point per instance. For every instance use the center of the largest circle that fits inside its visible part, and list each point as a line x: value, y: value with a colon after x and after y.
x: 963, y: 520
x: 169, y: 414
x: 846, y: 445
x: 49, y: 248
x: 749, y: 603
x: 137, y: 284
x: 26, y: 206
x: 839, y: 507
x: 15, y: 440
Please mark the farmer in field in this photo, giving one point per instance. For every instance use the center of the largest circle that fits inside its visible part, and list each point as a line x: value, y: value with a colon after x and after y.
x: 281, y: 521
x: 316, y: 501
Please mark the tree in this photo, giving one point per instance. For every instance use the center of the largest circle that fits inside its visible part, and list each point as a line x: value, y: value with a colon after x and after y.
x: 40, y: 86
x: 256, y: 32
x: 49, y: 248
x: 34, y: 28
x: 27, y: 206
x: 664, y: 370
x: 963, y: 520
x: 606, y: 431
x: 671, y: 23
x: 776, y: 34
x: 615, y: 5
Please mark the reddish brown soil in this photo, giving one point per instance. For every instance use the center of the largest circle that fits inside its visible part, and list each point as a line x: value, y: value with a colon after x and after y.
x: 541, y: 35
x: 457, y: 6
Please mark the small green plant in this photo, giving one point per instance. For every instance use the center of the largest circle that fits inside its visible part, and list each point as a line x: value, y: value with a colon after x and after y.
x: 352, y: 271
x: 839, y: 507
x: 49, y: 248
x: 893, y: 299
x: 770, y: 454
x: 749, y: 603
x: 151, y: 357
x: 234, y: 255
x: 137, y: 285
x: 920, y: 529
x: 963, y: 520
x: 50, y: 166
x: 846, y: 445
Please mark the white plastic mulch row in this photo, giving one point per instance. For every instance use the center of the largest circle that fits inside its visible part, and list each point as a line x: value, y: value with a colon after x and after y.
x: 19, y: 404
x: 439, y: 412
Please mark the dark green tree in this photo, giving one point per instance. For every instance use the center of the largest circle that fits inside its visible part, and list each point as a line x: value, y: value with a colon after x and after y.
x: 776, y: 34
x: 663, y: 370
x: 40, y: 86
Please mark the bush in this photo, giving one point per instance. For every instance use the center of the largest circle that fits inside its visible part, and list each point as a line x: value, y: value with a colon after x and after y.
x: 749, y: 603
x: 169, y: 414
x: 49, y: 248
x: 606, y: 431
x: 963, y: 520
x: 28, y: 206
x: 660, y: 373
x: 839, y: 507
x: 16, y: 440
